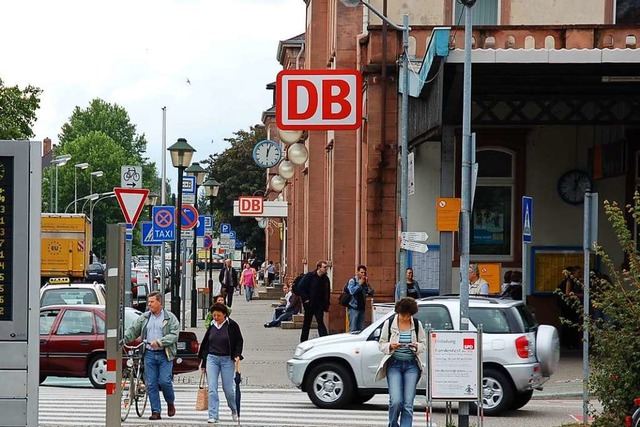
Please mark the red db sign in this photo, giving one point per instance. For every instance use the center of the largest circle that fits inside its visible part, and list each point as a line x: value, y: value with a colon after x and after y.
x: 252, y: 205
x: 318, y: 99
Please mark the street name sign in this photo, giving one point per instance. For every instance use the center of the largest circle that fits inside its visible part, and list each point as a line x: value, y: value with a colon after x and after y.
x: 415, y: 236
x: 131, y: 201
x: 413, y: 246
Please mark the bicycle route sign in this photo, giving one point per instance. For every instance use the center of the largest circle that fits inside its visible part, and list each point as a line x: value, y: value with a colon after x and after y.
x: 131, y: 177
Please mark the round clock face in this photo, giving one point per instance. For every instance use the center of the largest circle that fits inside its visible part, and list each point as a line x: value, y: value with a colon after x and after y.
x: 572, y: 185
x: 267, y: 153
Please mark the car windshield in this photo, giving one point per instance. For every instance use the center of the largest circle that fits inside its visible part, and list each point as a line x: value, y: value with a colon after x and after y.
x: 68, y: 296
x: 493, y: 321
x: 95, y: 268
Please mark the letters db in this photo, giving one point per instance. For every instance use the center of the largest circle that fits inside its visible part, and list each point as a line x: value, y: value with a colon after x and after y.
x: 318, y: 99
x: 250, y: 205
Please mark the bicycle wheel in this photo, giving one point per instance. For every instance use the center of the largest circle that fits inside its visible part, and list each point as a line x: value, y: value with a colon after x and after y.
x: 141, y: 396
x: 128, y: 393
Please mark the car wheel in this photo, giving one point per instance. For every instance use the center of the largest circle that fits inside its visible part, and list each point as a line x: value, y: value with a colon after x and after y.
x: 97, y: 371
x: 363, y: 398
x: 497, y: 392
x: 330, y: 386
x: 521, y: 399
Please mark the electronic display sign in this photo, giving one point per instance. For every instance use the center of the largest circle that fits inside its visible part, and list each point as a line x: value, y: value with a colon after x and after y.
x: 6, y: 238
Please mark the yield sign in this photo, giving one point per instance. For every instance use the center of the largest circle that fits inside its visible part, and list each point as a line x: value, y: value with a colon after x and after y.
x: 131, y: 202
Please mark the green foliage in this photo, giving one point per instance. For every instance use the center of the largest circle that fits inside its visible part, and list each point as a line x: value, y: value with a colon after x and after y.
x: 614, y: 323
x: 238, y: 176
x: 18, y: 110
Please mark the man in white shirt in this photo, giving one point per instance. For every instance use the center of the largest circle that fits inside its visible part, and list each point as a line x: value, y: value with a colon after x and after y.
x: 477, y: 285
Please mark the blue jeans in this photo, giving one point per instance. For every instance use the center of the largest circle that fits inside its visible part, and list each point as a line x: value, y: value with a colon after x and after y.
x: 248, y: 292
x: 284, y: 316
x: 220, y: 366
x: 356, y: 319
x: 157, y: 376
x: 402, y: 380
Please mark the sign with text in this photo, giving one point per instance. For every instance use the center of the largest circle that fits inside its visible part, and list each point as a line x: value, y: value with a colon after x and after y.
x: 447, y: 214
x: 491, y: 273
x: 271, y: 208
x: 250, y: 205
x: 454, y: 365
x: 319, y: 99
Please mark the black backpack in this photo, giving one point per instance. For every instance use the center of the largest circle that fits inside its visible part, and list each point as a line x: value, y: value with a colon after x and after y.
x: 296, y: 283
x: 345, y: 297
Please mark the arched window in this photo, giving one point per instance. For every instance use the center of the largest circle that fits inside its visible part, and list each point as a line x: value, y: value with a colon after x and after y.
x: 493, y: 206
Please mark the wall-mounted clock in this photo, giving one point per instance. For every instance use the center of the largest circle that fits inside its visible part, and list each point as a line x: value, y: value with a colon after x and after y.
x: 267, y: 153
x: 572, y: 185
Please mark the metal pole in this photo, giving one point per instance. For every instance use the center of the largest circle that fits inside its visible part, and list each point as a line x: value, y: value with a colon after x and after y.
x: 183, y: 281
x: 163, y: 195
x: 194, y: 291
x: 56, y: 209
x: 404, y: 144
x: 151, y: 275
x: 585, y: 322
x: 210, y: 284
x: 51, y: 172
x: 75, y: 189
x: 463, y: 411
x: 177, y: 279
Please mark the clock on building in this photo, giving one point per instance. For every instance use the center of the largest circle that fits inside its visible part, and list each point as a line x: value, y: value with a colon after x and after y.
x: 267, y: 153
x: 572, y: 185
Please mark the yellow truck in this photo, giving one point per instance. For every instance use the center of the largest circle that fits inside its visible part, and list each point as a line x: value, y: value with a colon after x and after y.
x: 65, y: 246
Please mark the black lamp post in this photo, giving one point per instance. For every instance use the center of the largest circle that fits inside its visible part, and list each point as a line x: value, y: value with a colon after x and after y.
x: 198, y: 172
x: 151, y: 201
x: 211, y: 187
x: 181, y: 153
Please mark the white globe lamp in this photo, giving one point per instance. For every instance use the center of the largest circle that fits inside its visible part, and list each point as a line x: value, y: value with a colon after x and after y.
x: 297, y: 154
x: 277, y: 183
x: 286, y: 169
x: 289, y: 136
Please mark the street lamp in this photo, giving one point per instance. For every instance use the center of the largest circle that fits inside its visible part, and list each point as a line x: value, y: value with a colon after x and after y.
x: 59, y: 161
x: 75, y: 183
x: 211, y: 188
x: 198, y: 172
x: 88, y: 197
x: 103, y: 196
x: 97, y: 174
x: 181, y: 154
x: 151, y: 201
x: 404, y: 125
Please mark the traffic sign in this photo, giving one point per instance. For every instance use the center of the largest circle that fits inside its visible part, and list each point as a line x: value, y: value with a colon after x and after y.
x: 148, y: 237
x: 200, y: 227
x: 131, y: 176
x: 164, y: 223
x: 232, y: 235
x: 225, y: 228
x: 527, y: 218
x: 208, y: 223
x: 131, y: 201
x: 189, y: 217
x: 415, y: 236
x: 413, y: 246
x: 208, y: 241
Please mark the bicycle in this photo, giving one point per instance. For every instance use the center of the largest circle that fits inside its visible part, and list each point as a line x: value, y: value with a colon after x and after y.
x: 132, y: 385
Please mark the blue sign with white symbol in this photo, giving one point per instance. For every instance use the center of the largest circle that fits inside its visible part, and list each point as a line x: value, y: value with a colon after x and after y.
x: 164, y: 223
x: 208, y: 223
x: 225, y: 228
x: 239, y: 244
x: 188, y: 184
x: 232, y: 235
x: 527, y: 218
x: 200, y: 227
x: 148, y: 237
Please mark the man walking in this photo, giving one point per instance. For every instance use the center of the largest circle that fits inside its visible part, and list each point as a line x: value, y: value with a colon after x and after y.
x: 315, y: 292
x: 160, y: 329
x: 228, y: 280
x: 358, y: 287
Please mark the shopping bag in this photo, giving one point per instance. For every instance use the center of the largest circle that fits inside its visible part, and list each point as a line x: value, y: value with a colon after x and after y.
x: 202, y: 399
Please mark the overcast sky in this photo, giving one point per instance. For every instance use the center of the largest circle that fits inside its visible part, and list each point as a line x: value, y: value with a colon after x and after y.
x: 140, y: 53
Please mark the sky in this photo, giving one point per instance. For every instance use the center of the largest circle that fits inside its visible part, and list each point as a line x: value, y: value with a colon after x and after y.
x: 139, y: 54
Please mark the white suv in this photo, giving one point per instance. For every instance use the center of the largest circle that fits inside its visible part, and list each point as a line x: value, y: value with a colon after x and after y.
x: 518, y: 355
x: 59, y: 291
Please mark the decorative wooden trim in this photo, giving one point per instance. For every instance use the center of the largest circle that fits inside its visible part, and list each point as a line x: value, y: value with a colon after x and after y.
x: 505, y: 12
x: 609, y: 13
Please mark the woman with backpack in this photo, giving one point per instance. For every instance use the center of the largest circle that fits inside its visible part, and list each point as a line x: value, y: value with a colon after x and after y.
x: 402, y: 340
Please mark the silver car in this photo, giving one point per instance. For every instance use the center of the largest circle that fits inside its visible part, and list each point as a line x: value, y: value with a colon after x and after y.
x: 518, y: 355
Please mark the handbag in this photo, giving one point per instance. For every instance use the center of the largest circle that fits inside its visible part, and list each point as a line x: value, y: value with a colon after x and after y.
x: 202, y: 398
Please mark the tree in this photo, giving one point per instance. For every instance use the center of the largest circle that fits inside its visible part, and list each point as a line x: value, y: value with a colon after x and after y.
x: 18, y: 110
x: 238, y: 176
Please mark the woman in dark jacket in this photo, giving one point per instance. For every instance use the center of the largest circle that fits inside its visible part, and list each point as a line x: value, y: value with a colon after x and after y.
x: 221, y: 348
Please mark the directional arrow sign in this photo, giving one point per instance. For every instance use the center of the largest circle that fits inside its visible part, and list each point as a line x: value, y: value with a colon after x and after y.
x: 131, y: 201
x: 413, y: 246
x: 415, y: 236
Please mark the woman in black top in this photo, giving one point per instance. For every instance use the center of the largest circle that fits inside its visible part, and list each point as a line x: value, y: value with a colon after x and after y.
x: 221, y: 348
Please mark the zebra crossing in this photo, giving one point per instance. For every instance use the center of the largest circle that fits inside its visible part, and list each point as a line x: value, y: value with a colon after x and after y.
x: 260, y: 407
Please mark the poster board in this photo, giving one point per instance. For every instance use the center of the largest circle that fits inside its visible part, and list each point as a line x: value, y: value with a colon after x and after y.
x: 491, y: 273
x: 426, y: 268
x: 454, y: 365
x: 548, y: 264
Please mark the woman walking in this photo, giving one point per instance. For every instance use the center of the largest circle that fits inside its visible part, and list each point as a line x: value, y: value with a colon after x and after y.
x: 402, y: 340
x: 248, y: 279
x: 221, y: 348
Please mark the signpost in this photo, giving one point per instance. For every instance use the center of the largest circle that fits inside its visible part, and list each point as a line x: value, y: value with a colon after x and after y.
x: 188, y: 189
x: 131, y: 177
x: 131, y: 201
x: 189, y: 217
x: 527, y: 235
x: 164, y: 223
x: 409, y: 241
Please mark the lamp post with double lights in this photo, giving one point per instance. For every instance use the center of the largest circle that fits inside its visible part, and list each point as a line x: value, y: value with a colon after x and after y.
x: 151, y: 201
x: 181, y: 154
x: 404, y: 126
x: 59, y: 161
x: 198, y: 172
x: 75, y: 183
x: 211, y: 188
x: 86, y: 198
x: 97, y: 174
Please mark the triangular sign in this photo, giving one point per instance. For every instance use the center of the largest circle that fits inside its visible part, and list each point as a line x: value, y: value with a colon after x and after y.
x: 131, y: 202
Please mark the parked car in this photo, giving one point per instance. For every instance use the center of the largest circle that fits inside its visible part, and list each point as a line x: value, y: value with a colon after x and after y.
x: 95, y: 272
x: 518, y: 355
x: 217, y: 264
x: 72, y: 343
x: 60, y: 291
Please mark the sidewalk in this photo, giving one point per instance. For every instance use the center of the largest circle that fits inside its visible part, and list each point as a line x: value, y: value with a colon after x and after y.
x: 566, y: 382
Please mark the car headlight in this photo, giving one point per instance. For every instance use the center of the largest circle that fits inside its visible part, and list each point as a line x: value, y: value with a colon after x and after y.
x: 302, y: 349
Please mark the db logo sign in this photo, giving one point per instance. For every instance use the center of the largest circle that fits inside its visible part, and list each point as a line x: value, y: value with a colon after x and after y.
x: 468, y: 343
x: 318, y: 99
x: 250, y: 205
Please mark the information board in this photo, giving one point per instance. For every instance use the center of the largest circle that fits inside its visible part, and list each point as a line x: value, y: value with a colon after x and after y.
x: 426, y: 268
x: 6, y: 239
x: 454, y: 365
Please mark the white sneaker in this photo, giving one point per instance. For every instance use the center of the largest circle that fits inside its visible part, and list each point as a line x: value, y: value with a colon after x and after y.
x: 234, y: 417
x: 212, y: 421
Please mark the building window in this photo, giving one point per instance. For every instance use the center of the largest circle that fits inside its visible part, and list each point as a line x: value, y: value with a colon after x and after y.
x: 627, y: 11
x: 493, y: 206
x: 483, y: 12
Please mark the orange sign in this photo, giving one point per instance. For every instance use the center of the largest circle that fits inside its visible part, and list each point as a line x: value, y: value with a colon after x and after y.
x: 491, y: 273
x: 447, y: 214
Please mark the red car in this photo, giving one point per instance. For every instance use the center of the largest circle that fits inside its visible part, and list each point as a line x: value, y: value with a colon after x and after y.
x: 72, y: 343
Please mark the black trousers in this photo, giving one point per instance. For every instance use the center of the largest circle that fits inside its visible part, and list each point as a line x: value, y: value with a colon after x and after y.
x: 309, y: 313
x: 229, y: 296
